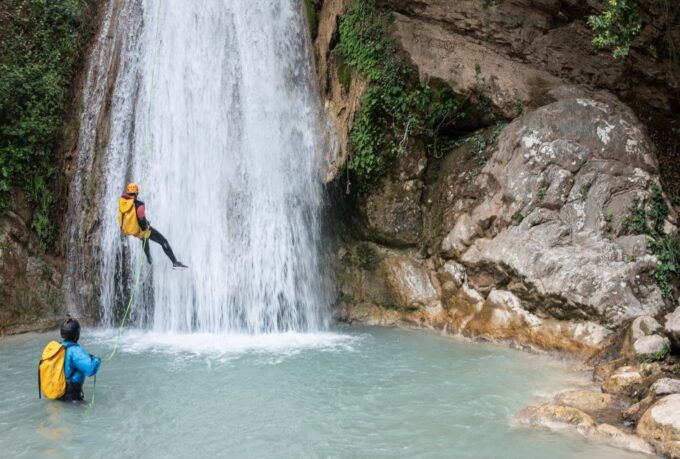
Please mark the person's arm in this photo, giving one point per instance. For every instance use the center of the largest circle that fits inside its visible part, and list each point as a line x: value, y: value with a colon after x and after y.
x: 85, y: 362
x: 141, y: 215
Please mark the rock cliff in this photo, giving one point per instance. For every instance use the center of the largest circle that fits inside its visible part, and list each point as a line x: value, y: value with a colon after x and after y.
x: 525, y: 228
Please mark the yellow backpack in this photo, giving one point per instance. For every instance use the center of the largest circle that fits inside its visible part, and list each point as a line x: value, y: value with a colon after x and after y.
x: 51, y: 377
x: 127, y: 219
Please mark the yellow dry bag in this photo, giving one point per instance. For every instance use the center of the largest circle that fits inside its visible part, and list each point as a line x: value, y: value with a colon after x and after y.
x: 127, y: 219
x: 51, y: 378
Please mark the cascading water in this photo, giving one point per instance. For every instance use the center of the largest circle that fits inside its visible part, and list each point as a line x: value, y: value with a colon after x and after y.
x: 214, y: 114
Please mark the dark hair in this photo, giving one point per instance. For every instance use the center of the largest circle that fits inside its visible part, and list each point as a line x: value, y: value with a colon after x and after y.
x: 70, y: 330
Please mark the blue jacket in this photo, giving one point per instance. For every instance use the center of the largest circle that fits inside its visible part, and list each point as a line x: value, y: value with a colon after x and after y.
x: 78, y: 363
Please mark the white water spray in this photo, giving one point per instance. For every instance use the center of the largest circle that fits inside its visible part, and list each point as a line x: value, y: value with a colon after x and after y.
x: 214, y: 114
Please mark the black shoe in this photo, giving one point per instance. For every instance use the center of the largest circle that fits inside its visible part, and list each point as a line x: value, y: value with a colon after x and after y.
x: 179, y: 264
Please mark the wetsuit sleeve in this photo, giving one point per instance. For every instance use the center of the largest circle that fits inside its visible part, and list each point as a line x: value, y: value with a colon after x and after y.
x: 141, y: 215
x: 84, y: 362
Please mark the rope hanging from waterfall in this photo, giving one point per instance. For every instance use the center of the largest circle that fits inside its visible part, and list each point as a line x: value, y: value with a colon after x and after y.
x: 133, y: 293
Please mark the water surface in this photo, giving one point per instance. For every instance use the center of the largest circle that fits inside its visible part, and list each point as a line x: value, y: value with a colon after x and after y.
x: 345, y: 393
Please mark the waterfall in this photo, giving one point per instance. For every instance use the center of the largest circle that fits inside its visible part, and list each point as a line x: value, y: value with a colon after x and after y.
x: 214, y: 113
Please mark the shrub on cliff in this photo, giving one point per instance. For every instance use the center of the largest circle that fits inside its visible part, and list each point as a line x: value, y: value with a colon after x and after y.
x: 39, y: 48
x: 395, y: 107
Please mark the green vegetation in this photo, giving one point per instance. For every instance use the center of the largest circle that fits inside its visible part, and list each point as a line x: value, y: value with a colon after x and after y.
x: 542, y: 192
x: 395, y: 108
x: 39, y: 49
x: 616, y: 28
x: 656, y: 357
x: 311, y: 17
x: 519, y: 107
x: 609, y: 220
x: 518, y: 217
x: 344, y: 75
x: 666, y: 246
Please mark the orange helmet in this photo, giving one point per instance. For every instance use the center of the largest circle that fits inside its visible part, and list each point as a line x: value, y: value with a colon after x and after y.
x: 132, y: 188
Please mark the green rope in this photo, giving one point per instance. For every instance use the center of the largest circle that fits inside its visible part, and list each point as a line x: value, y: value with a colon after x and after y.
x: 132, y: 298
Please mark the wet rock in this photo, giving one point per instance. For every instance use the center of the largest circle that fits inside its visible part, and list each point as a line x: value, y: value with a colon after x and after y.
x: 666, y: 386
x: 634, y: 412
x: 409, y: 283
x: 558, y: 417
x: 602, y: 407
x: 371, y: 314
x: 632, y: 381
x: 619, y: 438
x: 660, y: 425
x: 453, y: 276
x: 502, y: 317
x: 557, y: 188
x: 672, y: 327
x: 555, y: 416
x: 644, y: 326
x: 391, y: 214
x: 651, y: 345
x: 604, y: 370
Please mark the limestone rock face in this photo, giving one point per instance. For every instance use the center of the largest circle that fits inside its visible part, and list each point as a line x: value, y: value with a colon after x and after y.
x: 660, y: 425
x: 556, y: 194
x: 31, y: 297
x: 409, y: 283
x: 522, y: 241
x: 650, y: 345
x: 391, y: 214
x: 672, y: 327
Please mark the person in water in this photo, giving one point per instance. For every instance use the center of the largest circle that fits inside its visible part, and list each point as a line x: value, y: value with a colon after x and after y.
x: 77, y: 364
x: 133, y: 222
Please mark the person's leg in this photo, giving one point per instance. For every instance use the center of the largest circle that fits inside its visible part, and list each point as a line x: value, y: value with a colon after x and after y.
x: 147, y: 251
x: 74, y: 393
x: 159, y: 239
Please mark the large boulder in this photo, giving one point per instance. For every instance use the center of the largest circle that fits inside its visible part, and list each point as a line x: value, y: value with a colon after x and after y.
x: 644, y: 326
x: 672, y: 327
x: 551, y: 225
x: 666, y: 386
x: 602, y: 407
x: 652, y: 345
x: 660, y: 425
x: 632, y: 381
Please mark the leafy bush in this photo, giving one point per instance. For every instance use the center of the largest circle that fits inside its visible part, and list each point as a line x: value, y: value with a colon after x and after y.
x: 38, y: 51
x: 617, y: 27
x: 666, y: 246
x: 395, y: 108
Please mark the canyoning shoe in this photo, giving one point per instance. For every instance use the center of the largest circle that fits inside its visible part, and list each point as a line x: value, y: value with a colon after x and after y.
x: 179, y: 264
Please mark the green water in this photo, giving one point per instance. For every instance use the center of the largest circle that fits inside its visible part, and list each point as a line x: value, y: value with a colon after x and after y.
x: 347, y: 393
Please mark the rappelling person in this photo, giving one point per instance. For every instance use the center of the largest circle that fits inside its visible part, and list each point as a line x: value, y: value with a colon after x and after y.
x: 64, y: 366
x: 133, y: 222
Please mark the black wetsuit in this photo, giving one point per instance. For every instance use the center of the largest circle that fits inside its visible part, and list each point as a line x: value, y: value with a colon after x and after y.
x: 156, y: 236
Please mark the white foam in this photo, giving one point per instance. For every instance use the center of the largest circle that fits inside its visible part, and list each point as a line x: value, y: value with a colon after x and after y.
x: 217, y: 345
